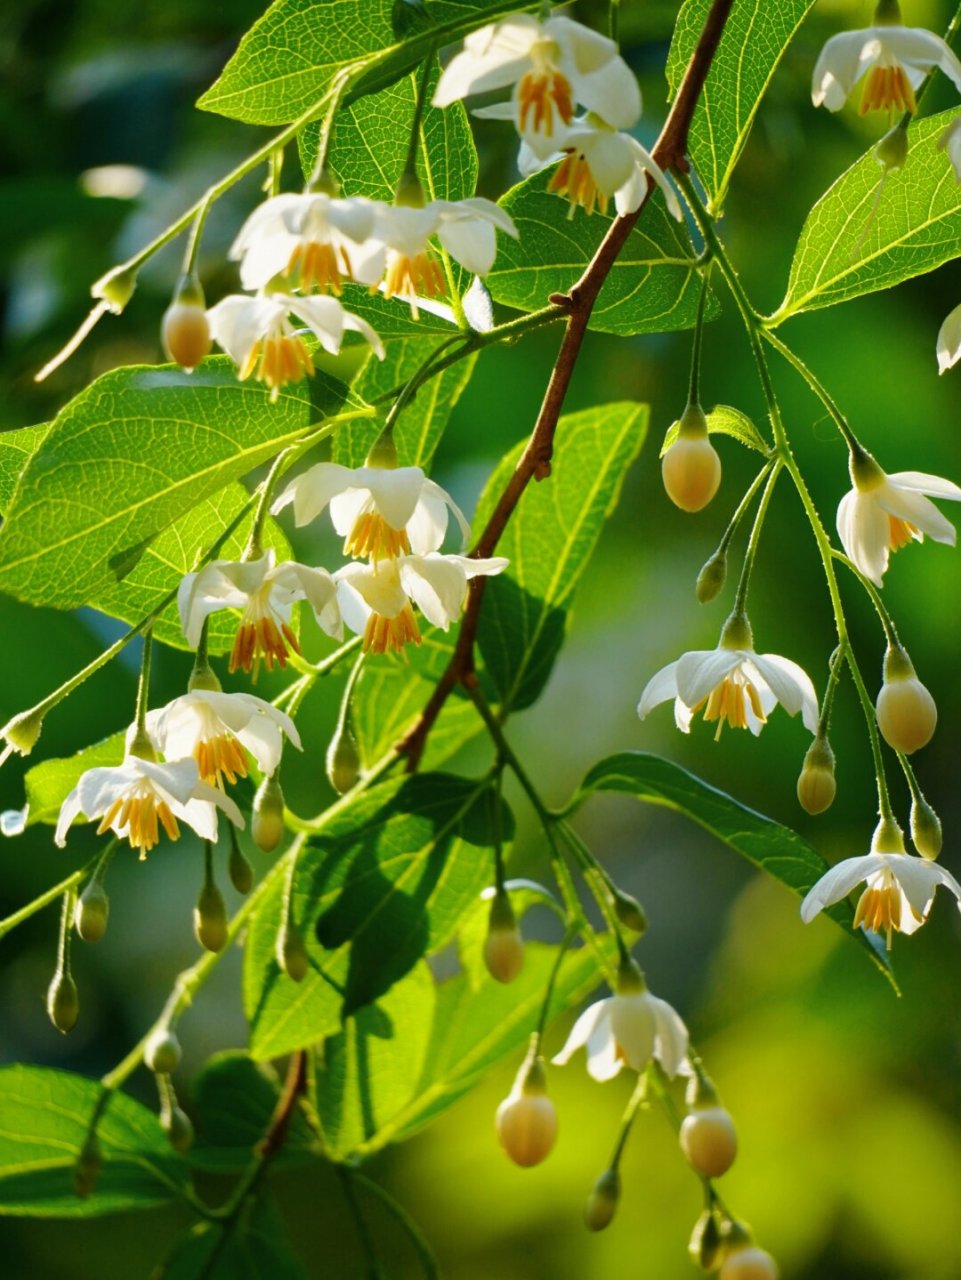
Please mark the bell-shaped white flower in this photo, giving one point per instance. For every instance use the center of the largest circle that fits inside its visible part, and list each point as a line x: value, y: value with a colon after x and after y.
x: 466, y: 228
x: 314, y: 241
x: 551, y: 65
x: 899, y: 890
x: 376, y: 599
x: 628, y: 1029
x: 139, y: 797
x: 598, y: 164
x: 949, y: 339
x: 950, y: 143
x: 215, y: 728
x: 265, y: 593
x: 258, y: 335
x: 895, y: 59
x: 733, y: 684
x: 378, y: 511
x: 883, y: 513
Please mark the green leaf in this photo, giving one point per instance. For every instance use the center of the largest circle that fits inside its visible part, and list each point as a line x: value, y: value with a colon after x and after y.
x: 44, y: 1119
x: 233, y: 1101
x: 48, y: 783
x: 775, y: 849
x: 15, y: 448
x: 287, y: 61
x: 385, y: 884
x: 131, y: 455
x: 861, y: 237
x: 549, y: 542
x: 725, y: 421
x: 653, y: 286
x: 755, y: 38
x: 255, y: 1248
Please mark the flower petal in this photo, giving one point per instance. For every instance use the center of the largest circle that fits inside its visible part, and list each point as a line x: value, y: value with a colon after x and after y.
x: 838, y: 882
x: 865, y: 533
x: 582, y: 1030
x: 702, y: 670
x: 661, y: 686
x: 791, y: 686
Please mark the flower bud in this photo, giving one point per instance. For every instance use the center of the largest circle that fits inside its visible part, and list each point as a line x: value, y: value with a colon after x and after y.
x: 63, y: 1001
x: 210, y: 918
x: 816, y: 787
x: 906, y: 712
x: 750, y: 1263
x: 238, y: 868
x: 267, y: 818
x: 185, y: 333
x: 691, y: 469
x: 704, y: 1246
x: 629, y: 911
x: 711, y: 579
x: 409, y: 194
x: 526, y: 1120
x: 91, y: 912
x: 115, y: 288
x: 504, y: 945
x: 383, y: 452
x: 892, y: 151
x: 23, y: 731
x: 343, y: 759
x: 925, y: 828
x: 86, y: 1171
x: 291, y: 952
x: 602, y: 1202
x: 177, y: 1126
x: 709, y: 1141
x: 162, y: 1051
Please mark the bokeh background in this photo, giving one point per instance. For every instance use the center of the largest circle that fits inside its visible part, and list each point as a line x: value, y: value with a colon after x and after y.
x: 847, y: 1099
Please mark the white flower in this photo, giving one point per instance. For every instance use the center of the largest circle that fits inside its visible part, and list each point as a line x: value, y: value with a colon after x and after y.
x: 215, y: 727
x: 598, y: 163
x: 137, y: 798
x: 949, y: 337
x: 258, y: 336
x: 313, y: 240
x: 265, y: 592
x: 883, y: 513
x: 466, y: 229
x: 627, y: 1029
x: 950, y: 143
x: 551, y: 65
x: 379, y: 511
x: 895, y: 60
x: 375, y: 600
x: 733, y: 684
x: 898, y: 894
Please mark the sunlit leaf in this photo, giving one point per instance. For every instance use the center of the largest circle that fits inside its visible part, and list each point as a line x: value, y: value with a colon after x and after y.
x: 725, y: 421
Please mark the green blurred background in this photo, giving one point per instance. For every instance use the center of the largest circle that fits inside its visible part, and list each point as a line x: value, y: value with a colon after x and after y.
x: 848, y: 1100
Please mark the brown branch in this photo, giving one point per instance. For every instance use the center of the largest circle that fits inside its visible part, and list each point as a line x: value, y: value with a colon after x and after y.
x: 295, y: 1085
x: 535, y: 462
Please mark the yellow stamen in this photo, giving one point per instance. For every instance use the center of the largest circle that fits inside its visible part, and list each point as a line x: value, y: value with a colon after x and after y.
x: 316, y: 266
x: 901, y: 532
x: 728, y: 701
x: 219, y: 758
x: 276, y: 360
x: 136, y: 817
x: 542, y: 93
x: 389, y: 635
x: 412, y: 276
x: 259, y: 637
x: 372, y: 536
x: 887, y: 89
x: 573, y: 178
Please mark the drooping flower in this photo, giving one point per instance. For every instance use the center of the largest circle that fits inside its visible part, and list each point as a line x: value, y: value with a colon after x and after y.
x: 379, y: 511
x: 215, y: 728
x: 466, y: 229
x: 599, y: 164
x: 893, y: 58
x: 257, y: 334
x: 949, y: 335
x: 314, y: 241
x: 899, y: 890
x: 377, y: 600
x: 265, y: 593
x: 140, y: 797
x: 551, y: 65
x: 733, y: 684
x: 883, y: 513
x: 628, y: 1029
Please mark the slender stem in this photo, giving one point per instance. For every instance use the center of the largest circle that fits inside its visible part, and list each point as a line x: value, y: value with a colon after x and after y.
x: 743, y: 506
x: 819, y: 389
x: 599, y: 884
x: 410, y: 164
x: 750, y: 555
x: 364, y: 1234
x: 420, y: 376
x: 499, y: 875
x: 196, y: 232
x: 569, y: 935
x: 254, y: 549
x: 870, y: 718
x: 66, y: 929
x: 636, y: 1101
x: 326, y: 128
x: 694, y: 383
x: 414, y: 1233
x: 143, y: 684
x: 44, y: 900
x: 505, y: 751
x: 884, y: 616
x: 834, y: 677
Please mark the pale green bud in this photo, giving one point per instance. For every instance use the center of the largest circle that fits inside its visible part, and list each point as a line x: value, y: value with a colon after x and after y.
x: 291, y: 952
x: 63, y: 1002
x: 238, y: 868
x: 709, y: 1141
x: 23, y: 731
x: 925, y: 829
x: 705, y: 1243
x: 116, y: 288
x: 602, y: 1202
x: 177, y: 1126
x: 816, y: 786
x: 629, y: 911
x: 267, y: 817
x: 711, y: 579
x: 343, y: 759
x: 91, y: 912
x: 210, y: 918
x: 504, y: 945
x: 162, y: 1052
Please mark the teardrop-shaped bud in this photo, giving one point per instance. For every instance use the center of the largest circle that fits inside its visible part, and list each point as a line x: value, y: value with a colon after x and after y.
x: 906, y: 712
x: 210, y: 918
x: 267, y: 816
x: 816, y: 785
x: 22, y: 731
x: 343, y: 759
x: 238, y: 868
x: 691, y: 468
x: 185, y: 333
x: 602, y: 1202
x: 629, y: 911
x: 91, y: 912
x: 504, y: 945
x: 526, y: 1126
x: 751, y: 1263
x: 291, y: 952
x: 177, y: 1125
x: 704, y: 1246
x: 709, y: 1140
x: 925, y: 828
x: 63, y: 1002
x: 162, y: 1052
x: 711, y: 579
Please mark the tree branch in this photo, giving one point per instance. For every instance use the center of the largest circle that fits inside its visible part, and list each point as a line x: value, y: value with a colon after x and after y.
x: 535, y: 462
